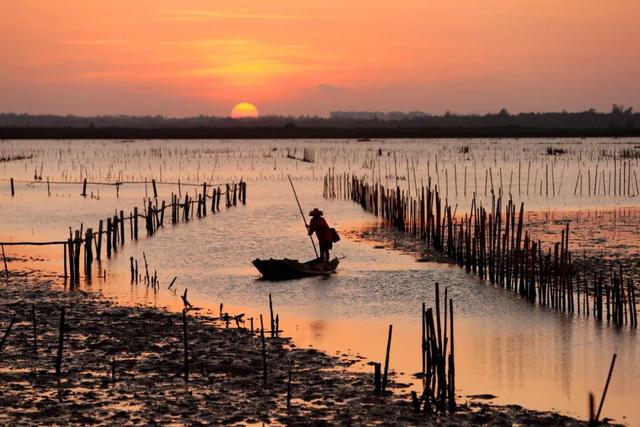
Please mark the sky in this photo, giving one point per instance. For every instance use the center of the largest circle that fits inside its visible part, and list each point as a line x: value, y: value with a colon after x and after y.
x: 191, y: 57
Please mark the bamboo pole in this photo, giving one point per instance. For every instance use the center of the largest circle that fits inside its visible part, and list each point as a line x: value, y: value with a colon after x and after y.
x: 386, y: 360
x: 304, y: 218
x: 606, y: 387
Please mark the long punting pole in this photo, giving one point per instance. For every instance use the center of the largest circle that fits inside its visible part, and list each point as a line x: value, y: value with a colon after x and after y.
x: 303, y: 217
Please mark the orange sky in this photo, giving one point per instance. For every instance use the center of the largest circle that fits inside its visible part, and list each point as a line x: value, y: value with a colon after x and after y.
x: 189, y: 57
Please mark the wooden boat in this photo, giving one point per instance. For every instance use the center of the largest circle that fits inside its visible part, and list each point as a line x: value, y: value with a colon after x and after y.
x: 286, y: 269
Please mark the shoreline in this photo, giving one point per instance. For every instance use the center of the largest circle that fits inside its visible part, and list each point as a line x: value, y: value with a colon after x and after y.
x: 124, y: 365
x: 310, y: 132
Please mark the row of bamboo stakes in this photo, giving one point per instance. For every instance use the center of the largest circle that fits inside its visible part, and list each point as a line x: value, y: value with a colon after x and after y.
x: 111, y: 233
x: 117, y: 184
x: 153, y: 218
x: 493, y: 245
x: 542, y: 181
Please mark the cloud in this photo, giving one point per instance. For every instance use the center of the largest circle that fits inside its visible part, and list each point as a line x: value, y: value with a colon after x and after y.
x: 330, y: 89
x: 94, y: 42
x: 196, y: 15
x: 249, y: 71
x: 216, y: 43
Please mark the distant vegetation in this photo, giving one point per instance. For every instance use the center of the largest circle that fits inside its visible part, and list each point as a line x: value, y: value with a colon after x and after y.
x: 618, y: 118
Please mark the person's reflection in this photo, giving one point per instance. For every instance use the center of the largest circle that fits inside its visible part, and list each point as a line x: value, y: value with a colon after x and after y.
x: 317, y: 330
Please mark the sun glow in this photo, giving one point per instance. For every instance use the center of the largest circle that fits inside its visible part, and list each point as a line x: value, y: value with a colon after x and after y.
x: 244, y: 110
x: 188, y: 57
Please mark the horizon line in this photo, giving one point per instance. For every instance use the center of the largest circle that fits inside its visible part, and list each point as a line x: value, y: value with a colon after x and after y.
x: 408, y: 114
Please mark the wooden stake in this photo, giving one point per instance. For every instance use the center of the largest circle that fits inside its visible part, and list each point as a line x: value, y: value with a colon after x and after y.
x: 60, y: 343
x: 386, y: 360
x: 273, y: 326
x: 4, y: 258
x: 35, y: 336
x: 6, y: 333
x: 135, y: 223
x: 155, y: 190
x: 289, y: 390
x: 264, y: 354
x: 606, y: 387
x: 186, y: 344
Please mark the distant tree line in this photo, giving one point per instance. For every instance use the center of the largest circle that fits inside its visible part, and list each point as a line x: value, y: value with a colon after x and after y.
x: 618, y: 118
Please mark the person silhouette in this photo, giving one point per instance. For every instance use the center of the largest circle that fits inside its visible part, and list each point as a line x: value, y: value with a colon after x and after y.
x: 323, y: 232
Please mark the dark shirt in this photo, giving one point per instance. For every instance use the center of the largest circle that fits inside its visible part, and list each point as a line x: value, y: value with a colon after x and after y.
x: 319, y: 226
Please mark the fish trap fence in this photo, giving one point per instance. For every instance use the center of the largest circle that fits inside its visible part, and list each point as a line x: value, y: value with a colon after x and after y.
x: 493, y: 244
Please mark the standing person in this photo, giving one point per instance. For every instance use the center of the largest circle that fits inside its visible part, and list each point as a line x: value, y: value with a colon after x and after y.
x: 319, y: 226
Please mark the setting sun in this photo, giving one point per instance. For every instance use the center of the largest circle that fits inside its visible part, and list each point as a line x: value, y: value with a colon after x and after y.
x: 244, y: 110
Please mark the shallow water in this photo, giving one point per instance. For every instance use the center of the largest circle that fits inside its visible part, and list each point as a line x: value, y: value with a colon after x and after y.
x: 522, y: 353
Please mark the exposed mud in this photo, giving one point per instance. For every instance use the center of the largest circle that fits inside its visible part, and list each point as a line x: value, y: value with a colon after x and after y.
x: 125, y: 365
x: 601, y: 241
x: 389, y: 238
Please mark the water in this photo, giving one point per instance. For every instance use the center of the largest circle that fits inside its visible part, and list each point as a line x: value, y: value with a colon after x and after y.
x: 524, y: 354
